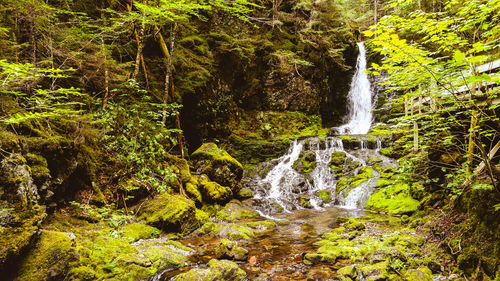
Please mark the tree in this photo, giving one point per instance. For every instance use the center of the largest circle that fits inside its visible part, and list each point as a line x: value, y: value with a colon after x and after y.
x: 434, y: 57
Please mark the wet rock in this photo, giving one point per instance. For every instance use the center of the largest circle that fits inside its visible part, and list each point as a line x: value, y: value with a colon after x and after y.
x: 305, y: 201
x: 325, y: 195
x: 337, y: 162
x: 306, y: 163
x: 218, y: 165
x: 50, y: 258
x: 217, y: 270
x: 171, y: 213
x: 230, y: 250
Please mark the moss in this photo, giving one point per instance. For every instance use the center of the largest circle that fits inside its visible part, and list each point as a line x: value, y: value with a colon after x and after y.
x: 193, y: 192
x: 325, y: 195
x: 305, y: 201
x: 83, y: 273
x: 218, y: 165
x: 245, y: 193
x: 116, y: 259
x: 351, y: 164
x: 262, y: 225
x: 393, y: 199
x: 15, y: 238
x: 337, y: 162
x: 137, y: 231
x: 233, y: 211
x: 348, y: 271
x: 217, y: 270
x: 341, y: 184
x: 364, y: 174
x: 50, y: 259
x: 420, y: 274
x: 214, y: 192
x: 306, y: 162
x: 171, y: 213
x: 354, y: 224
x: 38, y: 167
x: 212, y: 152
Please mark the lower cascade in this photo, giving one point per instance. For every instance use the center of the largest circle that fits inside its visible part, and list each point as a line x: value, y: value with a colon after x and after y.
x: 317, y: 173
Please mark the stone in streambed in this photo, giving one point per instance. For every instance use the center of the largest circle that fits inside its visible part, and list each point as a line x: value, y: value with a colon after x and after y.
x: 227, y: 249
x: 325, y: 195
x: 337, y: 162
x: 217, y: 270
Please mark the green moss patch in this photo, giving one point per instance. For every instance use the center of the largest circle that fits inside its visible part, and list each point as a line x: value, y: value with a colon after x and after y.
x: 393, y: 199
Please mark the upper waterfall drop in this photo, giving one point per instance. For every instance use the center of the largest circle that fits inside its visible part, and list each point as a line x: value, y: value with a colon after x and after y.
x: 359, y: 118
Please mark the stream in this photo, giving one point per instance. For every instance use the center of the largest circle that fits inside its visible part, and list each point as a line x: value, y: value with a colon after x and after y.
x: 289, y: 194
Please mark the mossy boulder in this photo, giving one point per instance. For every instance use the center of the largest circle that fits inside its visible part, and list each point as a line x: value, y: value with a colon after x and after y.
x: 420, y: 274
x: 306, y: 162
x: 364, y: 174
x: 227, y: 249
x: 218, y: 165
x: 337, y: 162
x: 341, y: 184
x: 235, y: 211
x: 137, y: 231
x: 18, y: 228
x: 103, y: 257
x: 325, y: 195
x: 245, y: 193
x: 393, y: 199
x: 305, y: 201
x: 217, y: 270
x: 170, y: 213
x: 50, y: 259
x: 213, y: 192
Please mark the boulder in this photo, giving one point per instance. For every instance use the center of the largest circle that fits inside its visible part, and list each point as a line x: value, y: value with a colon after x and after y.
x: 218, y: 165
x: 171, y: 213
x: 50, y: 259
x: 217, y: 270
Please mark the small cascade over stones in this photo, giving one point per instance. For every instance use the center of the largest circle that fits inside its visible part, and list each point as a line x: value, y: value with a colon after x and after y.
x: 338, y: 170
x: 320, y: 172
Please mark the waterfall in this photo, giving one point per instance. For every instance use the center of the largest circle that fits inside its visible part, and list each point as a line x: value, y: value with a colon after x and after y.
x: 286, y: 186
x: 359, y: 98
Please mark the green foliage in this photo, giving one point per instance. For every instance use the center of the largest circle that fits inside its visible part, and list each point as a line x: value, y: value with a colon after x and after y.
x: 37, y: 103
x: 134, y: 132
x: 433, y: 57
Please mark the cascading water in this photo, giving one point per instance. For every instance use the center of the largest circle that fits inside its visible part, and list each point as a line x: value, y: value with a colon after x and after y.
x: 359, y: 119
x: 286, y: 186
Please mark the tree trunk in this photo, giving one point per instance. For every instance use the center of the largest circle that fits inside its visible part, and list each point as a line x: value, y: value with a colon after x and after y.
x: 140, y: 46
x: 106, y: 76
x: 169, y: 85
x: 375, y: 15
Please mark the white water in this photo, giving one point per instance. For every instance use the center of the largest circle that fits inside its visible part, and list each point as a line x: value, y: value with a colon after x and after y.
x: 284, y: 185
x: 359, y: 119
